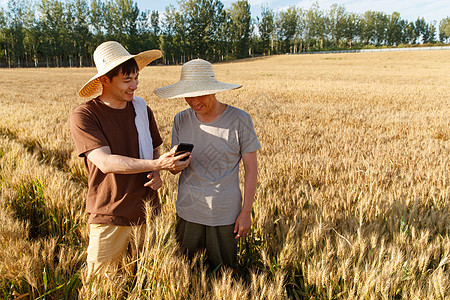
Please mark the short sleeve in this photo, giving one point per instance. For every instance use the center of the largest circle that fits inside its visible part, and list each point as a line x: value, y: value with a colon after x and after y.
x: 175, y: 138
x: 247, y: 136
x: 154, y: 132
x: 86, y: 132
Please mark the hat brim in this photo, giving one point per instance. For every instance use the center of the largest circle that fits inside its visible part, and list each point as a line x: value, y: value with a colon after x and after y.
x: 183, y: 89
x: 94, y: 86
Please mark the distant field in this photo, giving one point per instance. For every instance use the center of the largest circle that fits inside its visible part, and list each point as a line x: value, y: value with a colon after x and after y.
x: 353, y: 189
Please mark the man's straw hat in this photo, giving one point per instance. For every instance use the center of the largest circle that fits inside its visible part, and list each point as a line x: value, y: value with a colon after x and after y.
x: 109, y: 55
x: 197, y: 79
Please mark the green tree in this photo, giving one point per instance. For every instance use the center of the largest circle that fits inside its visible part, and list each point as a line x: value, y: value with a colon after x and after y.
x: 173, y: 37
x: 155, y: 29
x: 129, y: 16
x: 394, y: 30
x: 167, y: 32
x: 79, y: 29
x: 373, y: 28
x: 266, y: 28
x: 52, y: 26
x: 288, y: 29
x: 112, y: 22
x: 444, y: 30
x: 337, y: 22
x: 32, y: 40
x: 31, y: 35
x: 381, y: 23
x: 429, y: 35
x: 4, y: 46
x: 199, y: 17
x: 97, y: 24
x: 367, y: 27
x: 67, y: 32
x: 240, y: 23
x: 121, y: 23
x: 3, y: 33
x: 315, y: 27
x: 149, y: 30
x: 408, y: 35
x: 221, y: 36
x: 15, y: 32
x: 352, y: 28
x: 421, y: 28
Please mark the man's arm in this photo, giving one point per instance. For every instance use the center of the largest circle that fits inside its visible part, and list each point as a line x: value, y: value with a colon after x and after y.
x: 119, y: 164
x: 154, y: 181
x: 244, y: 220
x: 156, y: 153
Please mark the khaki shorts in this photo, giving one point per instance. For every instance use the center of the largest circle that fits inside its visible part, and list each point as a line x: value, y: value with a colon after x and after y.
x: 107, y: 245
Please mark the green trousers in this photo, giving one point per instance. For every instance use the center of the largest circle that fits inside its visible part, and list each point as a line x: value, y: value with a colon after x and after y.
x: 219, y: 242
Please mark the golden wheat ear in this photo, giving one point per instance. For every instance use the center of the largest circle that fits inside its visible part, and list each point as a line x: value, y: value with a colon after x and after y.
x: 352, y: 197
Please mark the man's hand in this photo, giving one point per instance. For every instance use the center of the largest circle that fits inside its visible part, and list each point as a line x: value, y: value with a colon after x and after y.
x: 155, y: 181
x: 168, y: 161
x: 243, y: 224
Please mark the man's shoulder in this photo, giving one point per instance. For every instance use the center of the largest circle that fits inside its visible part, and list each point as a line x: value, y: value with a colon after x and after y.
x: 238, y: 113
x: 85, y: 106
x: 236, y: 110
x: 183, y: 114
x: 89, y: 110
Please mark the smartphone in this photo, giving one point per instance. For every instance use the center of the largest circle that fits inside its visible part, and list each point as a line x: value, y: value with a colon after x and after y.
x: 183, y: 148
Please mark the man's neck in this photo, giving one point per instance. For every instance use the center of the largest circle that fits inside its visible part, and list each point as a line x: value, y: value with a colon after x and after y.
x: 214, y: 115
x: 111, y: 102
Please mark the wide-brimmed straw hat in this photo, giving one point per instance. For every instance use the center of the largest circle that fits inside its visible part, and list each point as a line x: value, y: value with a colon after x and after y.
x: 109, y: 55
x: 197, y: 79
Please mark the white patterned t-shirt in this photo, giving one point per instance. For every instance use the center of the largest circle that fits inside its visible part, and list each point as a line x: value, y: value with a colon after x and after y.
x: 208, y: 189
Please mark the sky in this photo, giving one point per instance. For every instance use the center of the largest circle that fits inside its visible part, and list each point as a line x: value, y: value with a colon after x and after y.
x: 409, y: 9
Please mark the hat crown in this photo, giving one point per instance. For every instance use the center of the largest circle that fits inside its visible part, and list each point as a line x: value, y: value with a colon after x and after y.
x: 107, y: 53
x: 197, y: 79
x: 197, y: 70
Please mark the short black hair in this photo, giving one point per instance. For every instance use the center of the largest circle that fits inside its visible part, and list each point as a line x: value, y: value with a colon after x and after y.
x: 127, y: 67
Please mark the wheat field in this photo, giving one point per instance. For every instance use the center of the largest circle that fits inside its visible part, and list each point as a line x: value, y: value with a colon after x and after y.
x: 353, y: 188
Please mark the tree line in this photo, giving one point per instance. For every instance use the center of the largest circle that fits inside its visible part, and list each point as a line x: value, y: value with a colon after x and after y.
x: 56, y: 33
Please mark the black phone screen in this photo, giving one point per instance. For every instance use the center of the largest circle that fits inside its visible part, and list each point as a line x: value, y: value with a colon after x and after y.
x: 183, y: 148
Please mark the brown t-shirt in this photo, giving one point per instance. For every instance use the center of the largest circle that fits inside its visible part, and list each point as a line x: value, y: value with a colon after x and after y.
x: 116, y: 199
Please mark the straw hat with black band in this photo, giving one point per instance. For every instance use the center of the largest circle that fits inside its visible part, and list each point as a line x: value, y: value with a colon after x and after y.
x: 109, y: 55
x: 197, y: 79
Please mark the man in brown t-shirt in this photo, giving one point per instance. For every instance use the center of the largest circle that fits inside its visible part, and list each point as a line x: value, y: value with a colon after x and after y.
x: 117, y: 136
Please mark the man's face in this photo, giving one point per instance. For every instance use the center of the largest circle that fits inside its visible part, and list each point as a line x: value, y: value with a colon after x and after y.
x: 122, y: 87
x: 202, y: 105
